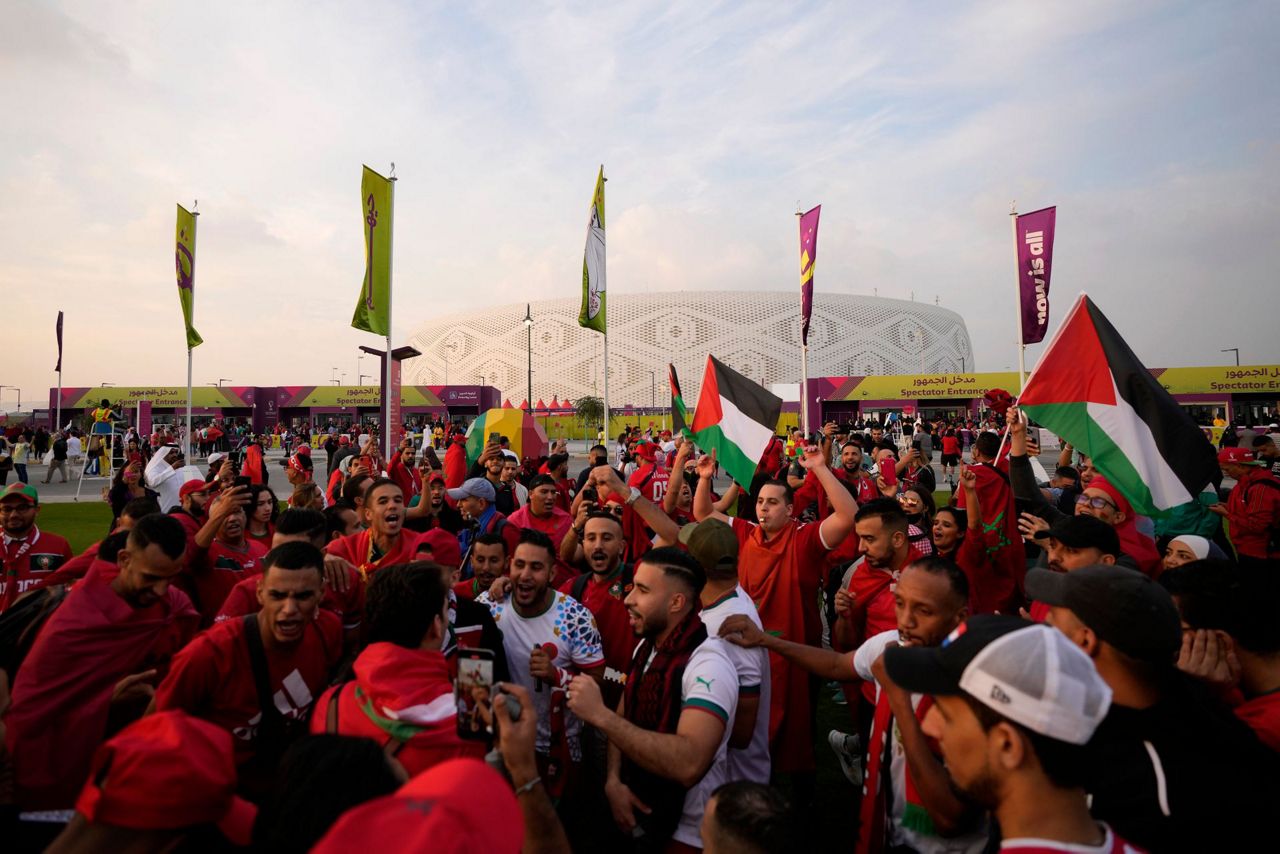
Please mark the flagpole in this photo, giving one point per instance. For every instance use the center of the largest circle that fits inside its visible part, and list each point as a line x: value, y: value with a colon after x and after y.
x: 57, y: 418
x: 186, y: 443
x: 804, y: 346
x: 391, y: 254
x: 1017, y: 299
x: 604, y: 261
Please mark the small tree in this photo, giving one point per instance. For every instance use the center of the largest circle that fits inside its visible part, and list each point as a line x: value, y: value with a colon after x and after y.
x: 589, y: 411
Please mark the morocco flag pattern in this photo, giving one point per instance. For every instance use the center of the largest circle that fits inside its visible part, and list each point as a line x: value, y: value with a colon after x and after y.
x: 1090, y: 389
x: 736, y: 417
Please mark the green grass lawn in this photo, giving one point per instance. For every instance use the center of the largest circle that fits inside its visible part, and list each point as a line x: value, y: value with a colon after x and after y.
x: 83, y: 524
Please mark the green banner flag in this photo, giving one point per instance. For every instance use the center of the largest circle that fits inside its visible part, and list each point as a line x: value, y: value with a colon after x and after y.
x: 185, y: 258
x: 592, y: 314
x: 373, y: 311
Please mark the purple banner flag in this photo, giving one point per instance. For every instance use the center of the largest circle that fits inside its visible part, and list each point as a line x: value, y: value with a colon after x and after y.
x: 808, y: 254
x: 1034, y: 235
x: 58, y: 329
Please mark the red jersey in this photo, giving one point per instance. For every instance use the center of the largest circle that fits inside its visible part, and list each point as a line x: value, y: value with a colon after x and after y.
x: 263, y: 539
x: 359, y: 550
x: 29, y: 561
x: 782, y: 576
x: 604, y: 599
x: 860, y: 483
x: 218, y: 569
x: 1253, y: 513
x: 652, y: 482
x: 1262, y: 714
x: 401, y: 694
x: 555, y: 527
x: 347, y: 607
x: 951, y: 445
x: 213, y: 677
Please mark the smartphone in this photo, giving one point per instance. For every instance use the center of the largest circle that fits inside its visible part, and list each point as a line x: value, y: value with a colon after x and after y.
x: 473, y: 693
x: 495, y: 438
x: 889, y: 471
x: 241, y: 481
x: 590, y: 494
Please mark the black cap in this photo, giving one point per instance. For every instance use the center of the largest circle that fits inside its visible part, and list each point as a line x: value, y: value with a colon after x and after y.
x: 1084, y: 532
x: 541, y: 480
x: 1123, y: 607
x: 937, y: 669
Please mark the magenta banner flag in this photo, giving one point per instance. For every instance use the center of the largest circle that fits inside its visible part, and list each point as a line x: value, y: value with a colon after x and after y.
x: 808, y: 254
x: 144, y: 418
x: 1034, y: 235
x: 58, y: 330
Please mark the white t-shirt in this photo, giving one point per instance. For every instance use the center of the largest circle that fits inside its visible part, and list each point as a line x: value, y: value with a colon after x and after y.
x: 73, y: 447
x: 968, y: 843
x: 569, y: 628
x: 751, y: 762
x: 710, y: 684
x: 1110, y: 845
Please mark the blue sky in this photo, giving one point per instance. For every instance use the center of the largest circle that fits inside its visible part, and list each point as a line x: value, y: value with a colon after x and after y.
x: 1153, y: 127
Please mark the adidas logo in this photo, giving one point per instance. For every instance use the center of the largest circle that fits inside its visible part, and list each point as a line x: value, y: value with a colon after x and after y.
x: 1000, y: 696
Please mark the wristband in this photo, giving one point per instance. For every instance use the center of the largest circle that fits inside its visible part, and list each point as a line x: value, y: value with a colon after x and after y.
x: 577, y: 532
x: 528, y: 787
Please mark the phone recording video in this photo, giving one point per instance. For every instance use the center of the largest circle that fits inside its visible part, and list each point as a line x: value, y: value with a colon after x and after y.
x: 473, y: 693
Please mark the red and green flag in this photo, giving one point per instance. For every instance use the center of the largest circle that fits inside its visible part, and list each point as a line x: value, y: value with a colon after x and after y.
x: 735, y: 417
x: 1090, y: 389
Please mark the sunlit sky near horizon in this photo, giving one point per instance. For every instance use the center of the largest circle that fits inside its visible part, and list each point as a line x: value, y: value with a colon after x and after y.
x: 1153, y: 126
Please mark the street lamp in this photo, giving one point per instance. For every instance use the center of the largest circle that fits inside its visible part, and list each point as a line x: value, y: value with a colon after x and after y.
x: 1235, y: 350
x: 528, y: 328
x: 334, y: 377
x: 360, y: 381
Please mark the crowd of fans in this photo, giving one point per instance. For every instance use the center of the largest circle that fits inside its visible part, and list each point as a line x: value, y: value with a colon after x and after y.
x: 1021, y: 662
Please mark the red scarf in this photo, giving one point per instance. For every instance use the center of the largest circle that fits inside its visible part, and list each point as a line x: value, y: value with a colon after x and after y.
x: 872, y: 833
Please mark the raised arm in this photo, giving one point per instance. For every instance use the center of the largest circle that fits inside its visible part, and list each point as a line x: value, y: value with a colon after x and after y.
x: 839, y: 524
x: 607, y: 480
x: 672, y: 496
x: 702, y: 506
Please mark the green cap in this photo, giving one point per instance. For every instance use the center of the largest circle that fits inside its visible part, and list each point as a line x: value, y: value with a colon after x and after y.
x: 23, y: 491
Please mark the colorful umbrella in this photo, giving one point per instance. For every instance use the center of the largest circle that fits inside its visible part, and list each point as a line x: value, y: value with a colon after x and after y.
x: 527, y: 438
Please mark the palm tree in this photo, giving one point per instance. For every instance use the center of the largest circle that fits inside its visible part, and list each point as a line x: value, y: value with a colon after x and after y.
x: 589, y: 411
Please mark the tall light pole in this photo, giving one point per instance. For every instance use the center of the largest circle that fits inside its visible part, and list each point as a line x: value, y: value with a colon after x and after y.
x: 334, y: 378
x: 528, y: 329
x: 1235, y: 350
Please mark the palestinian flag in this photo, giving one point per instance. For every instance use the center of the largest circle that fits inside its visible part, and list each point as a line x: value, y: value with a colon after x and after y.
x: 679, y: 412
x: 1090, y: 389
x: 736, y: 417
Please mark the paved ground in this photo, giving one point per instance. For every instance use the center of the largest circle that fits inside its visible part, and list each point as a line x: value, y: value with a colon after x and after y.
x: 91, y: 489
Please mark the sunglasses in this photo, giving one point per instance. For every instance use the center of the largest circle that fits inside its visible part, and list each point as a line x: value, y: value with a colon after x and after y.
x: 1096, y: 502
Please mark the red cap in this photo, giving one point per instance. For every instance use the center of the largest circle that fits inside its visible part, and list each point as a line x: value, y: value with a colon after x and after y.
x: 1237, y: 456
x: 646, y: 450
x: 164, y: 772
x: 435, y: 476
x: 344, y: 439
x: 445, y: 549
x: 303, y: 448
x: 192, y: 486
x: 456, y: 807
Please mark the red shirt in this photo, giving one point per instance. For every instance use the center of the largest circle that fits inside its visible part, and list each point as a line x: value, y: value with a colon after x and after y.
x: 864, y: 488
x: 951, y: 445
x: 29, y: 561
x: 554, y: 527
x: 358, y: 549
x: 1253, y: 513
x: 604, y: 599
x: 213, y: 678
x: 782, y: 576
x: 218, y: 569
x: 651, y: 481
x: 1262, y: 714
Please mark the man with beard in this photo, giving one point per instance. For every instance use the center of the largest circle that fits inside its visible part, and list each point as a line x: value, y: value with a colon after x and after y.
x: 876, y: 441
x: 856, y: 479
x: 257, y: 676
x: 1074, y: 542
x: 603, y: 586
x: 29, y: 554
x: 490, y: 466
x: 401, y: 469
x: 224, y: 555
x: 1013, y: 708
x: 488, y: 563
x: 475, y: 502
x: 384, y: 543
x: 669, y: 740
x: 430, y: 510
x: 781, y: 565
x: 923, y: 814
x: 99, y: 653
x: 541, y: 513
x: 548, y: 636
x: 190, y: 513
x: 402, y: 693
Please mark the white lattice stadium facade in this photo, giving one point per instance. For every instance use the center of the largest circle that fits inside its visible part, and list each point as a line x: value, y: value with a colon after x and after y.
x: 756, y: 333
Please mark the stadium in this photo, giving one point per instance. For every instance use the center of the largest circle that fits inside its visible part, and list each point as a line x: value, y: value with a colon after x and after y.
x: 755, y: 332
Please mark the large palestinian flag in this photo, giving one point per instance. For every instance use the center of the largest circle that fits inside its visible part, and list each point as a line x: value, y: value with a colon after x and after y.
x: 736, y: 417
x: 1090, y: 389
x: 679, y: 412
